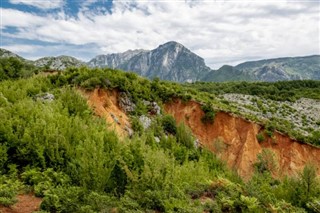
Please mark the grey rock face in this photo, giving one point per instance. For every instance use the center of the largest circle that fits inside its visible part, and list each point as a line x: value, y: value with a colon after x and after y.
x: 113, y: 60
x: 278, y: 69
x: 145, y: 121
x: 58, y: 63
x: 170, y: 61
x: 125, y: 103
x: 155, y: 108
x: 46, y: 97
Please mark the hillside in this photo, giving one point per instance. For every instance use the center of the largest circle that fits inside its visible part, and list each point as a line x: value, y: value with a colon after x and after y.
x: 7, y: 54
x: 103, y: 140
x: 279, y: 69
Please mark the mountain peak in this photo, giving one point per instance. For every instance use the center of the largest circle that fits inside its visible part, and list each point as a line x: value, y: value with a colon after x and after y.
x: 172, y: 44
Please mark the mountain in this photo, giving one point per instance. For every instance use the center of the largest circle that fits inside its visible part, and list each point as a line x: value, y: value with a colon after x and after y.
x: 7, y: 54
x: 174, y: 62
x: 113, y: 60
x: 58, y: 63
x: 279, y: 69
x: 170, y: 61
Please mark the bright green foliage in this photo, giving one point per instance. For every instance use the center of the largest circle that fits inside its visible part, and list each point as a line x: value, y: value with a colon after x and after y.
x: 9, y: 188
x: 62, y: 152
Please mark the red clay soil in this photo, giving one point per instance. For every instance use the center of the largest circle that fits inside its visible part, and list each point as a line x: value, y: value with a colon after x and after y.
x: 27, y: 203
x: 234, y: 140
x: 105, y: 104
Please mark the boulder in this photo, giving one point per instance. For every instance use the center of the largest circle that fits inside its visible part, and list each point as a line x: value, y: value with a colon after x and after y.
x: 125, y: 102
x: 155, y: 108
x: 145, y: 121
x: 46, y: 97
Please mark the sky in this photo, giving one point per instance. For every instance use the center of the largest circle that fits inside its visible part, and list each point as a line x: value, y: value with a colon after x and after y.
x: 220, y: 31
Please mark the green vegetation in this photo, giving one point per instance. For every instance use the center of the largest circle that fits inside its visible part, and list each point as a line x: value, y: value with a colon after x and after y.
x: 279, y: 91
x: 260, y: 137
x: 60, y: 151
x: 14, y: 68
x: 208, y: 113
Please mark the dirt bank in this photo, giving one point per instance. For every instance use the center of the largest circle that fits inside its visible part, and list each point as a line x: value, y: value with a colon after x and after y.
x: 27, y: 203
x: 234, y: 140
x: 105, y: 104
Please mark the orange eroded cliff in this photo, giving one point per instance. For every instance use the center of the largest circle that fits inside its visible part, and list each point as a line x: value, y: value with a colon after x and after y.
x: 105, y: 104
x: 234, y: 140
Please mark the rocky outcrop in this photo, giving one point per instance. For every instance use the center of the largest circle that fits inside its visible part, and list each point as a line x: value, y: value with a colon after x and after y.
x: 45, y: 97
x: 145, y: 121
x: 234, y: 139
x: 170, y: 61
x: 125, y: 102
x: 153, y: 107
x: 113, y: 60
x: 58, y: 63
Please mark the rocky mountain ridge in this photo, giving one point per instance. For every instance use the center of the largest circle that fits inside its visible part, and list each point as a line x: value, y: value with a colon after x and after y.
x: 170, y: 61
x: 174, y: 62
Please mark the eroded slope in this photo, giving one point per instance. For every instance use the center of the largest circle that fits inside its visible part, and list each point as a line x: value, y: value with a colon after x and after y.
x: 235, y: 140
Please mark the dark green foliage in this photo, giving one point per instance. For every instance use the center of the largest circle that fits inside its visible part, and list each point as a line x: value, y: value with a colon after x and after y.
x: 14, y: 68
x: 208, y: 113
x: 169, y: 124
x: 260, y: 137
x: 279, y: 91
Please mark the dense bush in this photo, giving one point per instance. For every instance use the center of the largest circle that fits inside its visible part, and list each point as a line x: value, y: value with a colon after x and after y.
x: 279, y: 91
x: 60, y: 151
x: 208, y: 113
x: 14, y: 68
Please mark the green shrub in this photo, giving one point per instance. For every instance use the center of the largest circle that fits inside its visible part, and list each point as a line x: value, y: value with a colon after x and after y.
x: 260, y: 137
x: 184, y: 136
x: 208, y: 113
x: 169, y: 124
x: 63, y: 199
x: 43, y: 181
x: 266, y: 161
x: 9, y: 189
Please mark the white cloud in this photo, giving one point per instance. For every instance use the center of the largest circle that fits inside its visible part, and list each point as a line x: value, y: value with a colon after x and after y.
x: 218, y: 31
x: 22, y: 48
x: 42, y: 4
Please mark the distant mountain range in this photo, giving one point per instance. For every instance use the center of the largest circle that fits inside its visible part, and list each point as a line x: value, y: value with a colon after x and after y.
x: 172, y: 61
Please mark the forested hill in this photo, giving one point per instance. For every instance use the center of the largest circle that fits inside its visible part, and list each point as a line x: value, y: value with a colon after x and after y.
x: 53, y: 145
